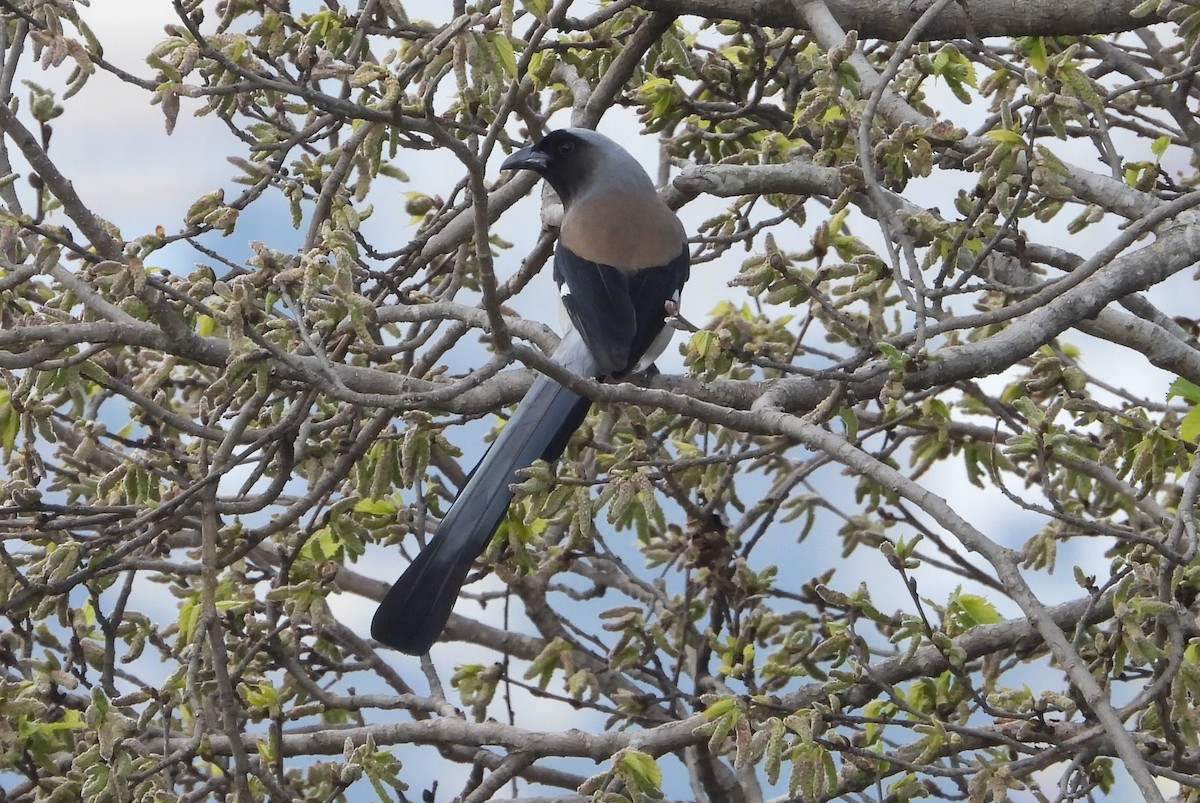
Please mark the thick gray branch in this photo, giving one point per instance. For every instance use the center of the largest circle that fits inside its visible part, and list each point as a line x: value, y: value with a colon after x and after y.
x: 894, y: 18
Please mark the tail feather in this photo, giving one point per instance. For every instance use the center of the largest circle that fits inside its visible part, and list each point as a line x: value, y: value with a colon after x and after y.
x: 415, y: 609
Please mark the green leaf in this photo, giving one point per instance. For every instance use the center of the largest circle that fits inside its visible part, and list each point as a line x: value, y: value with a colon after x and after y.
x: 639, y: 772
x: 896, y: 358
x: 970, y: 610
x: 204, y: 206
x: 538, y: 8
x: 375, y: 507
x: 10, y: 422
x: 850, y: 422
x: 1160, y: 145
x: 1189, y: 427
x: 323, y: 544
x: 261, y: 694
x: 1035, y: 51
x: 1005, y: 136
x: 1185, y: 389
x: 551, y: 658
x: 719, y: 708
x: 503, y: 49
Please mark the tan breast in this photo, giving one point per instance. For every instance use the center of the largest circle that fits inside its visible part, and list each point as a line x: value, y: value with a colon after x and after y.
x: 625, y: 231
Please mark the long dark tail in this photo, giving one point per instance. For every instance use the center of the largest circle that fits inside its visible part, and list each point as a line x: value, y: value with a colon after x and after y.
x: 415, y: 610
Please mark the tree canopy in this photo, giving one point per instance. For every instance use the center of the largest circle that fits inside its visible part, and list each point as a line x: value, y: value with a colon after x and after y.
x: 909, y: 513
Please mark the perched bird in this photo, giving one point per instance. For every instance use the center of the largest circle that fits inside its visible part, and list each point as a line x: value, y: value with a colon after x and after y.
x: 621, y: 257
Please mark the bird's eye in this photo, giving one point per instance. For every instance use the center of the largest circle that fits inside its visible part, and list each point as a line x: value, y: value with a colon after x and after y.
x: 565, y: 148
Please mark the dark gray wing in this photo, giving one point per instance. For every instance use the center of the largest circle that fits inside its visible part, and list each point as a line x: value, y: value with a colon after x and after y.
x: 619, y: 313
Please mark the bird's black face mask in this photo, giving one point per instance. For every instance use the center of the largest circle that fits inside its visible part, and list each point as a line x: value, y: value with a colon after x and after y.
x: 560, y: 157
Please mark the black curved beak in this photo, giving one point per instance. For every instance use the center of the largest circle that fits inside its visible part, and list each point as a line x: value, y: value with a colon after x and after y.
x: 529, y: 158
